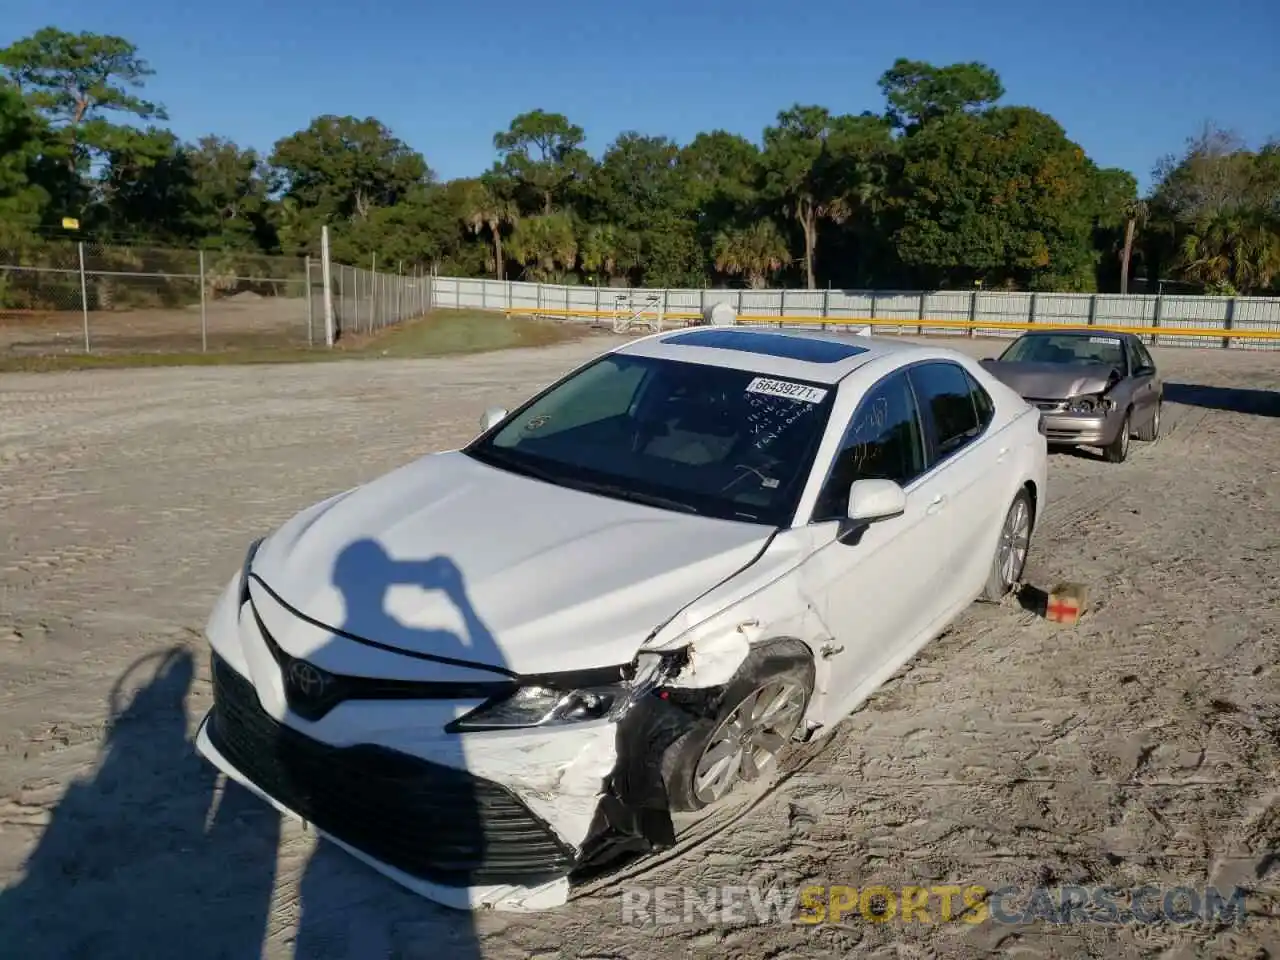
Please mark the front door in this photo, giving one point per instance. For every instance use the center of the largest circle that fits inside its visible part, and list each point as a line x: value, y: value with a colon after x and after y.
x: 876, y: 593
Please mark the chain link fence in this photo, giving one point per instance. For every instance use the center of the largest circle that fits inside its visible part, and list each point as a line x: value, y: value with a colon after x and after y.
x: 368, y: 301
x: 61, y: 297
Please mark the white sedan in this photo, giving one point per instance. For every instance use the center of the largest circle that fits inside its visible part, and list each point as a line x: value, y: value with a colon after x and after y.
x: 498, y: 670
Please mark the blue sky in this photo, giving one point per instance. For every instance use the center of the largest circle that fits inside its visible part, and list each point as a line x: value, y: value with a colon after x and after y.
x: 1128, y: 79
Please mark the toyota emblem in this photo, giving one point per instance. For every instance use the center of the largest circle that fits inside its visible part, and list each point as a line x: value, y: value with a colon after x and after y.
x: 307, y: 680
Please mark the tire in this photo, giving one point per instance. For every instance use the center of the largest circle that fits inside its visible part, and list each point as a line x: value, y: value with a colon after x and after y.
x: 786, y: 664
x: 1004, y: 575
x: 1151, y: 429
x: 1117, y: 451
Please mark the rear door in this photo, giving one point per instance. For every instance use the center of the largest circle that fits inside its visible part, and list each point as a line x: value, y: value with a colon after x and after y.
x: 957, y: 414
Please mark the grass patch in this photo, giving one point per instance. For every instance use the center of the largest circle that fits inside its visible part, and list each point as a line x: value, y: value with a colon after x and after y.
x: 438, y: 334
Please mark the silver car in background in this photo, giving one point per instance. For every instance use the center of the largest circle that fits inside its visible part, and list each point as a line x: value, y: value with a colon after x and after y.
x: 1093, y: 388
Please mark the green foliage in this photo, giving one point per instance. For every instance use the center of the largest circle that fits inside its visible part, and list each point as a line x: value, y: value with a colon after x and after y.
x: 941, y: 188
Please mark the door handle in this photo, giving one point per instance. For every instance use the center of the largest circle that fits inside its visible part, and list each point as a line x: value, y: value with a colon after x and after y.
x: 936, y: 504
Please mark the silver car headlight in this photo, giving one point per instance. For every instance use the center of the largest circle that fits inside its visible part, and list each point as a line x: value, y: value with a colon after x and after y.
x: 539, y: 706
x: 547, y: 707
x: 1092, y: 403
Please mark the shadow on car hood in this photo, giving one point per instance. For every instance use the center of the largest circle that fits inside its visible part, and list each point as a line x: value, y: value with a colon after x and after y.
x: 448, y: 557
x: 1052, y: 381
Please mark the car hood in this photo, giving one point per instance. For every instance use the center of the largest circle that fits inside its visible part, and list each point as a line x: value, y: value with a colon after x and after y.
x: 1052, y: 381
x: 448, y: 557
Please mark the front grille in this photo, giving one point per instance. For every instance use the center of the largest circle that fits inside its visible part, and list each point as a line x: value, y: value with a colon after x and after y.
x: 430, y: 821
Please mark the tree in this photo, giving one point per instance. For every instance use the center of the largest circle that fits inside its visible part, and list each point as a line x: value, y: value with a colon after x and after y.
x: 543, y: 152
x: 487, y: 206
x: 1002, y: 198
x: 797, y: 169
x: 76, y: 81
x: 229, y: 201
x: 753, y: 252
x: 21, y: 201
x: 609, y: 251
x: 545, y: 245
x: 917, y: 92
x: 1134, y: 218
x: 344, y: 167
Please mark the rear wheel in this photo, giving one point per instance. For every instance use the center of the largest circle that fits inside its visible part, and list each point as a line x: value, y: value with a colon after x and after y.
x: 1151, y: 430
x: 1117, y: 451
x: 1011, y: 549
x: 759, y: 713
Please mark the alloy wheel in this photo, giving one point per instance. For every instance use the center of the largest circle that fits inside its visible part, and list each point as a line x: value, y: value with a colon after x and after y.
x: 747, y: 743
x: 1015, y: 538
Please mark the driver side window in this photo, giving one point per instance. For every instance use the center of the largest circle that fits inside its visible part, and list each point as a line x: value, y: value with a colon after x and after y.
x: 884, y: 441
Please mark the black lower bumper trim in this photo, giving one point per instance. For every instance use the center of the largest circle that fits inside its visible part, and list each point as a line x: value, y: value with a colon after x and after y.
x: 430, y: 821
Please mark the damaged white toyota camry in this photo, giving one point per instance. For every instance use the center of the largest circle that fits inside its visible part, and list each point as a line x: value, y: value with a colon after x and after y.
x: 499, y: 670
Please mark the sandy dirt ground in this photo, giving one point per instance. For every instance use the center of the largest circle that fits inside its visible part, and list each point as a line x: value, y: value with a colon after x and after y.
x: 244, y: 321
x: 1141, y: 746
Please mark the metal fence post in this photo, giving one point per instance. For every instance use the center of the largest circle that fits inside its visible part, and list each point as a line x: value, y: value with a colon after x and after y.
x: 326, y: 273
x: 1031, y: 311
x: 1228, y: 322
x: 973, y: 313
x: 920, y: 316
x: 310, y: 303
x: 1093, y: 309
x: 204, y: 319
x: 1155, y: 319
x: 84, y: 297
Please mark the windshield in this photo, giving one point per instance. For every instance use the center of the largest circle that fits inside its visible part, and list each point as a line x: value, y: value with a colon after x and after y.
x: 1066, y: 348
x: 701, y: 439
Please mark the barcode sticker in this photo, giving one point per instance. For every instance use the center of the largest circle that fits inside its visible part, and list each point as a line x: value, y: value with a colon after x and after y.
x: 787, y: 389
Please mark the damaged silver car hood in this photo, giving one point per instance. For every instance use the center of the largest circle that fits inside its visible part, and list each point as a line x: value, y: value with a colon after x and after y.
x: 449, y: 557
x: 1053, y: 381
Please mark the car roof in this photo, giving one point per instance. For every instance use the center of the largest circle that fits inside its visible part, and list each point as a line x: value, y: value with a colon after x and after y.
x: 800, y: 354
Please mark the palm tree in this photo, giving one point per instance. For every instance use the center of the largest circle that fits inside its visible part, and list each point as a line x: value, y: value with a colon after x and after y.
x: 754, y: 253
x: 485, y: 208
x: 545, y: 245
x: 1232, y: 253
x: 1135, y: 217
x: 608, y: 250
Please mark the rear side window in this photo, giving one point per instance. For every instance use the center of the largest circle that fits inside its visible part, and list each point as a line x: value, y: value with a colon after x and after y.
x: 983, y: 405
x: 946, y: 395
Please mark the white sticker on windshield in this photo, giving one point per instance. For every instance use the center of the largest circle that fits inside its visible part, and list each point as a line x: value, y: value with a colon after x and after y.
x: 1113, y: 341
x: 785, y: 388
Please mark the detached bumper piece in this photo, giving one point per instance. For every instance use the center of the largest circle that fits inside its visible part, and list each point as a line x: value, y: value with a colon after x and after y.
x: 432, y: 822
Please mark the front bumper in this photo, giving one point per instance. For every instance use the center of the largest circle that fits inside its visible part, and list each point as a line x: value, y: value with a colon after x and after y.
x: 1093, y: 430
x: 427, y: 820
x: 505, y: 819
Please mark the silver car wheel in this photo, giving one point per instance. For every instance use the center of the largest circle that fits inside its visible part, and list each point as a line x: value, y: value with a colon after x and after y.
x: 1124, y: 439
x: 1014, y: 541
x: 746, y: 744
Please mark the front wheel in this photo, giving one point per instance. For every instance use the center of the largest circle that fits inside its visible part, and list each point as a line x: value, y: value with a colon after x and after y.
x: 759, y: 712
x: 1117, y: 451
x: 1011, y: 549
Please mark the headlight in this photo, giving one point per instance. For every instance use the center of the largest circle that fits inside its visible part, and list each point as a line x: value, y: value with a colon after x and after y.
x: 1093, y: 403
x: 542, y: 706
x: 546, y: 707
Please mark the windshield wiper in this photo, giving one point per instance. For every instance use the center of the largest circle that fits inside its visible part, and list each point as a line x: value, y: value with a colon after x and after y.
x: 635, y: 496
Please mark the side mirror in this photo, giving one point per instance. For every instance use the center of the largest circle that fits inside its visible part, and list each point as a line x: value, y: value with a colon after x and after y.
x: 874, y: 500
x: 492, y: 417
